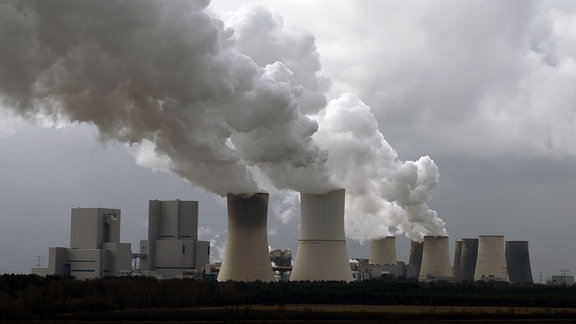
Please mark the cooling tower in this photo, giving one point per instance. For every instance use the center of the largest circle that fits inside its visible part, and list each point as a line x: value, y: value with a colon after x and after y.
x: 457, y: 258
x: 468, y: 258
x: 321, y: 253
x: 435, y: 259
x: 416, y: 249
x: 491, y: 262
x: 383, y: 251
x: 246, y: 256
x: 518, y: 261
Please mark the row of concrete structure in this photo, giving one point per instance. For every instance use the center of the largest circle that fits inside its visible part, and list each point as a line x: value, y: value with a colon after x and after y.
x: 487, y: 257
x: 172, y: 248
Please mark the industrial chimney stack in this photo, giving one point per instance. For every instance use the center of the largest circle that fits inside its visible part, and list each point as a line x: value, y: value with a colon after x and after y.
x: 435, y: 259
x: 383, y: 251
x: 518, y: 262
x: 322, y: 253
x: 246, y: 256
x: 491, y: 261
x: 468, y: 258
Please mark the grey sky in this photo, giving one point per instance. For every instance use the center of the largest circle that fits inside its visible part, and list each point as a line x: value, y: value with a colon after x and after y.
x: 486, y: 89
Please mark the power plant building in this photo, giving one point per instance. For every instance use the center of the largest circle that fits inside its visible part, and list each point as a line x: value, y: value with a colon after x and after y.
x: 172, y: 249
x: 518, y: 262
x: 95, y: 250
x: 415, y: 259
x: 383, y: 251
x: 246, y: 256
x: 468, y: 257
x: 321, y: 254
x: 491, y: 260
x: 457, y: 258
x: 435, y: 259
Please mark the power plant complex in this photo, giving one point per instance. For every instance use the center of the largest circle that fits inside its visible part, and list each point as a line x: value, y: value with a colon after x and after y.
x: 172, y: 248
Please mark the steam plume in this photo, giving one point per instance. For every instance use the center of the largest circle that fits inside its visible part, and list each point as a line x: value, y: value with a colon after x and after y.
x: 162, y: 72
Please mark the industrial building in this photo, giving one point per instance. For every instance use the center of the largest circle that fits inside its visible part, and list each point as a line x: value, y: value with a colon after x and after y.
x: 172, y: 249
x: 246, y: 256
x: 95, y: 250
x: 435, y: 263
x: 321, y: 252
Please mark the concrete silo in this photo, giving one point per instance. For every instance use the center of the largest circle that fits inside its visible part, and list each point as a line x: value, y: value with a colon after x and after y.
x: 435, y: 259
x: 468, y: 258
x: 383, y: 251
x: 457, y: 258
x: 321, y: 253
x: 415, y: 260
x: 518, y: 262
x: 491, y: 261
x: 246, y: 256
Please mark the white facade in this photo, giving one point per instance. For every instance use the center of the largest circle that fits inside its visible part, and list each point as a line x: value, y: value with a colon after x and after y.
x: 383, y: 251
x: 435, y: 259
x: 246, y: 256
x: 491, y: 259
x: 321, y: 253
x: 95, y: 249
x: 172, y: 249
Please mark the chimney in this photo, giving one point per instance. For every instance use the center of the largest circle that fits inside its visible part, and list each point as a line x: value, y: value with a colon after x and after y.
x: 415, y: 261
x: 457, y: 258
x: 491, y: 261
x: 435, y: 259
x: 518, y: 262
x: 246, y: 256
x: 468, y: 259
x: 321, y: 253
x: 383, y: 251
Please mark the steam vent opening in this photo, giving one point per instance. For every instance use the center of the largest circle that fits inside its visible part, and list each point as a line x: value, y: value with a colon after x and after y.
x: 321, y: 253
x: 246, y: 256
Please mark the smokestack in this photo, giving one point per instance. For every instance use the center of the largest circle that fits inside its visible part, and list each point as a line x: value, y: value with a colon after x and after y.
x: 383, y: 251
x: 416, y: 249
x: 435, y: 258
x: 468, y: 259
x: 491, y: 261
x: 322, y: 253
x: 518, y: 262
x: 457, y: 258
x: 246, y: 256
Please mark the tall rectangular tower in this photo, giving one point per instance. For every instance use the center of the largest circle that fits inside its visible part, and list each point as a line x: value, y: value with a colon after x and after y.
x: 91, y: 227
x: 172, y: 248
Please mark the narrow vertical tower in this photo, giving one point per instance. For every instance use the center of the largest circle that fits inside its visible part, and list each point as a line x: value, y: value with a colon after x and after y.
x: 415, y: 261
x: 457, y: 258
x: 435, y: 259
x: 383, y: 251
x: 322, y: 253
x: 491, y: 261
x: 246, y: 256
x: 468, y: 258
x: 518, y: 262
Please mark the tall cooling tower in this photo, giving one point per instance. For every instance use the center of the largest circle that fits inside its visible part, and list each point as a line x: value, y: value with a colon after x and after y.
x: 468, y: 258
x: 518, y: 261
x: 457, y: 258
x: 415, y: 261
x: 491, y: 261
x: 322, y: 253
x: 383, y: 251
x: 435, y: 258
x: 246, y: 256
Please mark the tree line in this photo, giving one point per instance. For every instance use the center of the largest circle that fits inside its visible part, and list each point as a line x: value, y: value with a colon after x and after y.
x: 34, y: 297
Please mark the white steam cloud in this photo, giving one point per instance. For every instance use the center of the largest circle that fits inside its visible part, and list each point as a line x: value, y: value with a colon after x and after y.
x: 221, y: 104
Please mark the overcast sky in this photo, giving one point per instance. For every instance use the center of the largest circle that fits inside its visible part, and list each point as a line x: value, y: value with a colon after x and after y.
x: 487, y: 90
